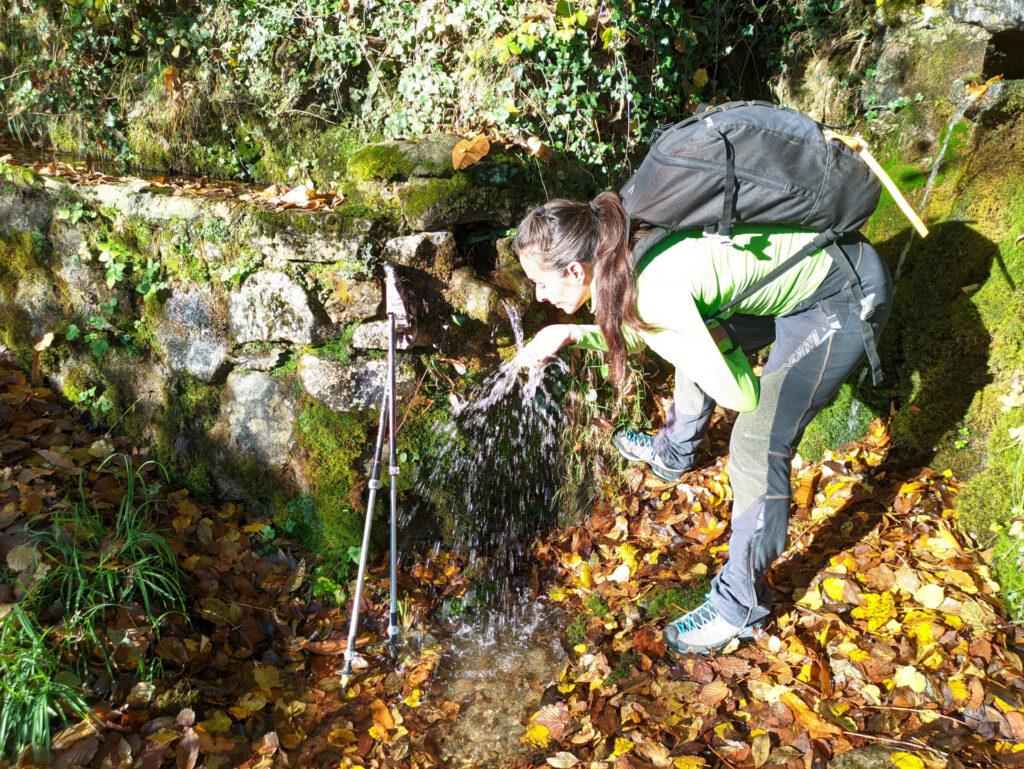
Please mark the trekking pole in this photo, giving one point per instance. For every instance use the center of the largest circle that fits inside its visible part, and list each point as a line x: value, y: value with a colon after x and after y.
x: 401, y: 332
x: 371, y: 502
x: 393, y: 469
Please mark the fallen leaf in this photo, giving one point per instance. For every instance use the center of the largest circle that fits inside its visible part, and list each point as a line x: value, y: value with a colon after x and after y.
x: 469, y: 151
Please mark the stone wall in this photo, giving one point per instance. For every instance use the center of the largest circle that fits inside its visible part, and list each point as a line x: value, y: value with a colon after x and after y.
x: 246, y: 344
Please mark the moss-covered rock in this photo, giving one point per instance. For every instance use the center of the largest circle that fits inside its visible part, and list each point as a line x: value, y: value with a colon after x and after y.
x: 844, y: 419
x: 328, y: 517
x: 438, y: 204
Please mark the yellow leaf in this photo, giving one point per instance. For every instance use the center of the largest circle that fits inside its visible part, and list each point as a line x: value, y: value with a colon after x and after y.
x: 413, y: 700
x: 557, y: 594
x: 537, y: 735
x: 958, y: 689
x: 833, y: 587
x: 811, y: 599
x: 903, y: 760
x: 909, y: 676
x: 689, y: 762
x: 700, y: 77
x: 622, y: 746
x: 469, y: 151
x: 628, y: 555
x: 877, y: 610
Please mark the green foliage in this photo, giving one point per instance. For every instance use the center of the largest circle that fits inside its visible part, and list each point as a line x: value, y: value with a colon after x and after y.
x: 86, y: 567
x: 34, y: 687
x: 844, y: 419
x: 219, y: 81
x: 93, y: 570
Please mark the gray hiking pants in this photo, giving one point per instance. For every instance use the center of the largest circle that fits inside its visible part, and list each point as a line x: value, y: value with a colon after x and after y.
x: 816, y: 347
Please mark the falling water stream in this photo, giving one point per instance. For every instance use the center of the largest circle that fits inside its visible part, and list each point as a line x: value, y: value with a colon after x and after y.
x: 961, y: 110
x: 497, y: 459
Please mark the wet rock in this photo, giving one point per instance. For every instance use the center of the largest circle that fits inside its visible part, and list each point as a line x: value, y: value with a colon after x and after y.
x: 355, y: 386
x: 993, y: 15
x: 472, y: 296
x: 193, y: 331
x: 256, y: 417
x: 270, y: 306
x: 258, y: 357
x: 432, y: 252
x: 348, y: 299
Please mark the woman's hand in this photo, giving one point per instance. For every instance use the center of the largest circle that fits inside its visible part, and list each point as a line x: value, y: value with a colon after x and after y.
x: 546, y: 344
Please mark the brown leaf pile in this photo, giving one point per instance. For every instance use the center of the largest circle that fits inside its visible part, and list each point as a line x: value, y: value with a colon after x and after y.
x: 887, y: 632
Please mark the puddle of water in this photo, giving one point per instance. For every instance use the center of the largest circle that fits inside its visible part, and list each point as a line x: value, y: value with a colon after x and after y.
x: 496, y: 665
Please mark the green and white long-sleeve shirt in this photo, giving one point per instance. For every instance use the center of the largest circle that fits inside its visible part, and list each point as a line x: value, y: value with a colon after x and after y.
x: 686, y: 277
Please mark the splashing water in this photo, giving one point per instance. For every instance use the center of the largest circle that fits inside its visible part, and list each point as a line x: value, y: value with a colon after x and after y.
x: 961, y: 110
x: 498, y: 681
x: 495, y: 475
x: 515, y: 321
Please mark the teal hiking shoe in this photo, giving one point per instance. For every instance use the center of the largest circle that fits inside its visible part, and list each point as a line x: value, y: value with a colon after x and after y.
x: 704, y: 630
x: 639, y: 447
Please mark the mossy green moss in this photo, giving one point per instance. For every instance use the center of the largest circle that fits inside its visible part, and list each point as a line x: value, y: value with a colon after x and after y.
x: 576, y: 632
x: 1008, y: 570
x: 673, y: 601
x: 181, y: 434
x: 328, y: 519
x: 379, y: 162
x: 453, y: 195
x: 23, y: 259
x: 844, y: 419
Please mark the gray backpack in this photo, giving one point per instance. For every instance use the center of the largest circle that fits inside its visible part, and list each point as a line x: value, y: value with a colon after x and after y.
x: 753, y: 162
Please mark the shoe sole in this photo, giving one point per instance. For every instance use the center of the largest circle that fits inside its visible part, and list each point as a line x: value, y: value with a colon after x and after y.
x: 747, y: 634
x: 667, y: 475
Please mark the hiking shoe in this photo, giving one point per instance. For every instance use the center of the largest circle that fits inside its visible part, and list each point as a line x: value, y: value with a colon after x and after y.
x: 704, y: 630
x: 639, y: 447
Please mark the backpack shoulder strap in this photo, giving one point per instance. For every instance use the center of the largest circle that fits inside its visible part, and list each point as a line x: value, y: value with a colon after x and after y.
x: 820, y: 241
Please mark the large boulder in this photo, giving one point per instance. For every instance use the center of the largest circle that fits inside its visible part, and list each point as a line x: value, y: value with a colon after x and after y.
x: 193, y: 331
x: 270, y: 306
x: 356, y: 386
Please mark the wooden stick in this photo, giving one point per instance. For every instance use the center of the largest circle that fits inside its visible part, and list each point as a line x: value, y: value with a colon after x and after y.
x: 860, y: 146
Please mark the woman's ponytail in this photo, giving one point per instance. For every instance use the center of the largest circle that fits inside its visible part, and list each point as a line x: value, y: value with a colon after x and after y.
x: 563, y: 231
x: 615, y: 285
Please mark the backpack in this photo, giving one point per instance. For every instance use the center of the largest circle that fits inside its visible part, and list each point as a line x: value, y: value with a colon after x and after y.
x: 753, y: 162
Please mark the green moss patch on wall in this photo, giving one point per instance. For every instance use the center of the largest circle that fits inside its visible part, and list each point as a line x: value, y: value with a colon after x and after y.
x: 328, y: 518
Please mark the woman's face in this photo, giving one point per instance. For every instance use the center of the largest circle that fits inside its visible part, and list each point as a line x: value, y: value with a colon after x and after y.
x: 566, y: 289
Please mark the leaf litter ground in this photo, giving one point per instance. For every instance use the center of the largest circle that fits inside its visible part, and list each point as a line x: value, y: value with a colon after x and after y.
x: 887, y: 635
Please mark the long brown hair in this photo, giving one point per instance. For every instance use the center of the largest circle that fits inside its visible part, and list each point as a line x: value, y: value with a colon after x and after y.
x: 561, y: 232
